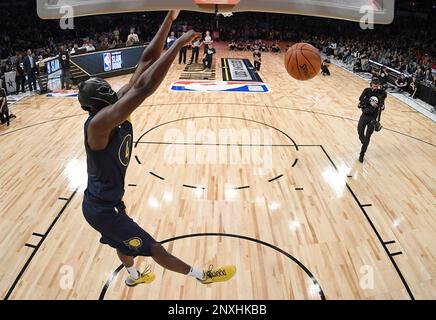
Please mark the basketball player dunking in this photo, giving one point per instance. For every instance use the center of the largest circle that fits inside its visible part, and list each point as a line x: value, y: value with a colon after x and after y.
x: 108, y: 143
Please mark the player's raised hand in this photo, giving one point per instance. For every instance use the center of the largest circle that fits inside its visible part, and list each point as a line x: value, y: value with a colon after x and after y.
x: 174, y: 14
x: 190, y: 36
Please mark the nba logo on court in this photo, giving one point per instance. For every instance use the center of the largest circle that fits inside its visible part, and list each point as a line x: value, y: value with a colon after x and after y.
x: 107, y: 61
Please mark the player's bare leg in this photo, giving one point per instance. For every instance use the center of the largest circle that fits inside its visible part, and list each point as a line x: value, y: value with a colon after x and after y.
x: 170, y: 262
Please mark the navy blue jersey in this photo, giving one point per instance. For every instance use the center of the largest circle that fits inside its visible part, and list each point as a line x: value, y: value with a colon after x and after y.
x: 107, y: 168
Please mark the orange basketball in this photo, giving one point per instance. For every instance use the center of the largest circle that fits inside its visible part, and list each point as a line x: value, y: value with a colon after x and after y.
x: 303, y: 61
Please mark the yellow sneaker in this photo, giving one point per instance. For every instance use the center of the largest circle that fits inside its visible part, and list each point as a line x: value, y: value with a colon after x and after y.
x: 220, y: 274
x: 146, y: 277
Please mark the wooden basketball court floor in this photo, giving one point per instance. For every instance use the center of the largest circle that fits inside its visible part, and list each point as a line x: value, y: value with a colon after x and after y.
x: 313, y: 224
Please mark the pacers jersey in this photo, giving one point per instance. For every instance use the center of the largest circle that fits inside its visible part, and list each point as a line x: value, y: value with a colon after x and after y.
x: 107, y: 168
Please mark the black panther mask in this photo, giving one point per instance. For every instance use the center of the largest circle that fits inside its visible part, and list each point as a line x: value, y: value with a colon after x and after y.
x: 96, y: 94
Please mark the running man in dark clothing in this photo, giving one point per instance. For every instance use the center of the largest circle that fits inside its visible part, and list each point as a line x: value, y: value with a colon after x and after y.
x: 372, y: 103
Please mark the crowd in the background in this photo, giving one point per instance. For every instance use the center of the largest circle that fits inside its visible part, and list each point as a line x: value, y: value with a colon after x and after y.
x: 262, y: 45
x: 408, y: 45
x: 409, y: 50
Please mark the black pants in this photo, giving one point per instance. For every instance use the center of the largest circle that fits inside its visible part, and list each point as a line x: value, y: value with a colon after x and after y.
x: 365, y: 122
x: 66, y: 78
x: 5, y: 116
x: 182, y: 55
x: 208, y: 63
x: 31, y: 78
x: 117, y: 229
x: 195, y: 52
x: 20, y: 80
x: 414, y: 92
x: 257, y: 65
x: 402, y: 88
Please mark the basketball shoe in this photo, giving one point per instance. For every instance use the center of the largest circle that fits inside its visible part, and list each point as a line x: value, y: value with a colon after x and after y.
x: 220, y: 274
x: 145, y: 277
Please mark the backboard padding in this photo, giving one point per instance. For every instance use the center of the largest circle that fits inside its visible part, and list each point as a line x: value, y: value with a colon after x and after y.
x: 352, y: 10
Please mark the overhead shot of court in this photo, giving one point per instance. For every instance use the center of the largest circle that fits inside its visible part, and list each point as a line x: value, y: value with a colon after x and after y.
x: 235, y: 150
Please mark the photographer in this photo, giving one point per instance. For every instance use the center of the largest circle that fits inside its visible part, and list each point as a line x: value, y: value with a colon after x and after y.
x: 208, y: 56
x: 414, y: 87
x: 383, y: 76
x: 372, y: 103
x: 275, y: 48
x: 257, y: 55
x: 232, y: 45
x: 5, y: 116
x: 360, y: 63
x: 428, y: 76
x: 325, y: 67
x: 401, y: 83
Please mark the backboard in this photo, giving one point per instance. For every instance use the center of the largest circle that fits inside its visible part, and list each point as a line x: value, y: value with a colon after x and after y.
x: 354, y: 10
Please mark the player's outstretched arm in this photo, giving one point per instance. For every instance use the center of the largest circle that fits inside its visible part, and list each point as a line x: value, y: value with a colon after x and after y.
x: 153, y: 51
x: 151, y: 79
x: 110, y: 117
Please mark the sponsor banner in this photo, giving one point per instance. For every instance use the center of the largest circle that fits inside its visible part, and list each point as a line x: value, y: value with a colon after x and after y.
x: 109, y: 63
x: 52, y: 65
x: 239, y: 70
x: 219, y: 86
x: 63, y: 94
x: 112, y: 61
x: 11, y: 85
